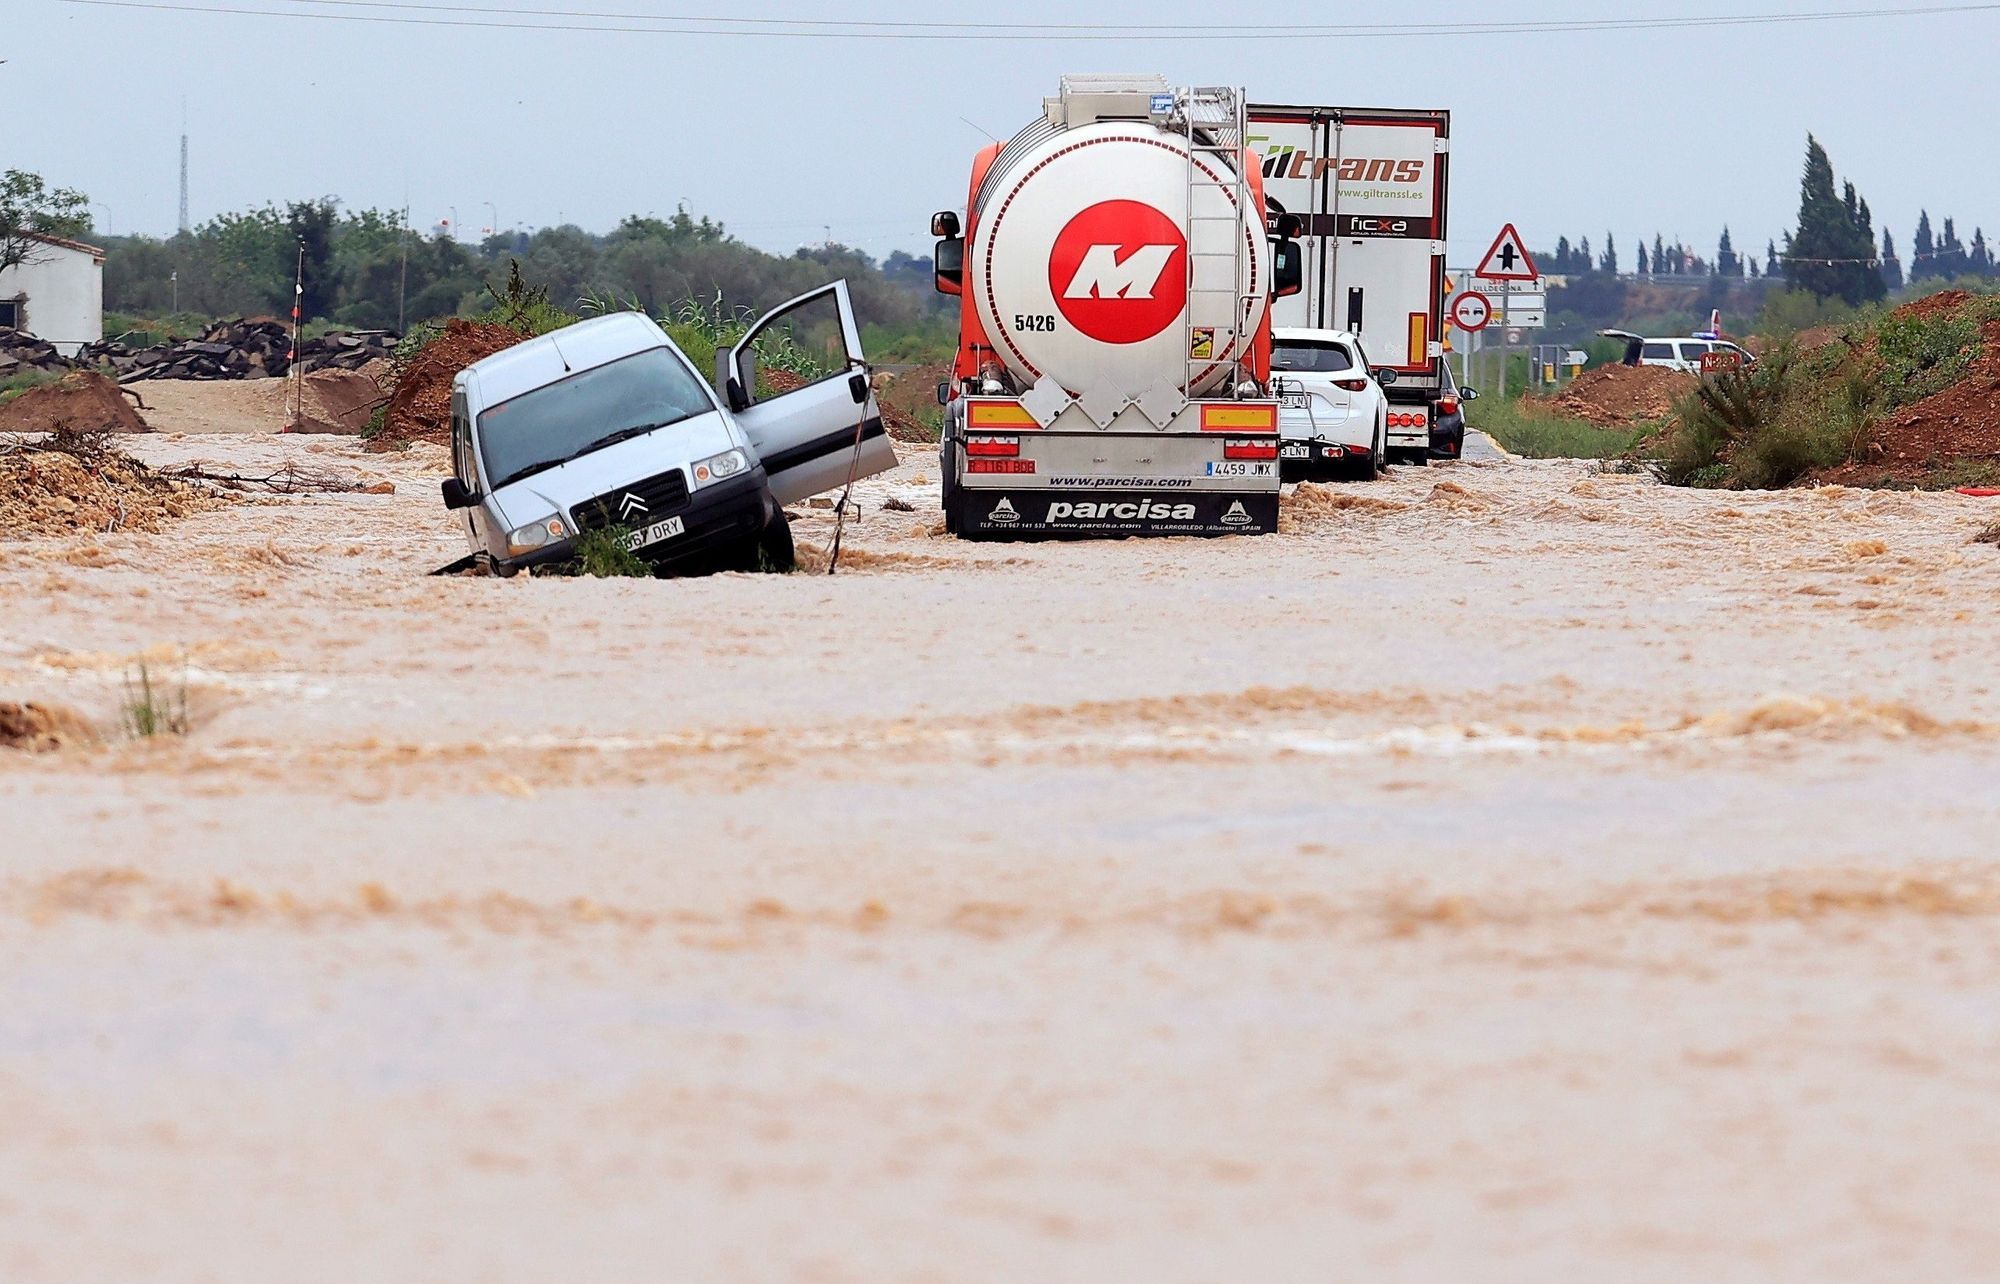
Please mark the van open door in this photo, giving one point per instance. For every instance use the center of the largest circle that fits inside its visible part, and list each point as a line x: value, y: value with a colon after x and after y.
x: 806, y: 426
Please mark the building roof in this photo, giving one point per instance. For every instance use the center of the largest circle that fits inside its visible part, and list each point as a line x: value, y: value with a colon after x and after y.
x: 63, y: 242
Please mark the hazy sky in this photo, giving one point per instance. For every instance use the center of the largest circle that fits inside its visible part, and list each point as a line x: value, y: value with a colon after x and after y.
x: 1677, y: 131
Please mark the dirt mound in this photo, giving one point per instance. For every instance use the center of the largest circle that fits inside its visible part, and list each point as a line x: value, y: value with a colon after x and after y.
x: 336, y: 401
x: 1816, y: 337
x: 909, y: 402
x: 1958, y: 426
x: 1932, y: 305
x: 75, y: 482
x: 42, y: 728
x: 81, y: 401
x: 1613, y: 396
x: 420, y: 408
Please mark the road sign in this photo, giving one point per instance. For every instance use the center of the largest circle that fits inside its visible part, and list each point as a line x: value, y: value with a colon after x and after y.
x: 1513, y: 338
x: 1508, y: 260
x: 1471, y: 310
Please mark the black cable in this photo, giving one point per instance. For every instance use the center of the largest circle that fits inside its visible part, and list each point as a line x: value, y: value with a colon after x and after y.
x: 806, y: 28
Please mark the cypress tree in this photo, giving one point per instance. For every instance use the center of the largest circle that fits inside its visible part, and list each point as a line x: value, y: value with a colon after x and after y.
x: 1644, y: 269
x: 1892, y: 271
x: 1923, y: 248
x: 1771, y: 267
x: 1979, y: 262
x: 1659, y: 254
x: 1726, y: 262
x: 1830, y: 254
x: 1610, y: 260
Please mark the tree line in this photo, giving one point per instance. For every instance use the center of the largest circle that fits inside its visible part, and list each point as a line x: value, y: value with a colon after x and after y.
x: 368, y: 270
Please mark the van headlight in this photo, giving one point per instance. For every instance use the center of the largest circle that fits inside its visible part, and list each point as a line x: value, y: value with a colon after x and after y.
x: 718, y: 467
x: 535, y: 535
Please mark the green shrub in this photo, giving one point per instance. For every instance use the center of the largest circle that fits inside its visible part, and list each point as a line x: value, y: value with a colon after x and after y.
x: 599, y: 554
x: 1924, y: 355
x: 1527, y: 428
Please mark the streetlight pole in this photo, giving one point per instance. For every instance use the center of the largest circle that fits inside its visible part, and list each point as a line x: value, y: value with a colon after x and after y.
x: 454, y: 221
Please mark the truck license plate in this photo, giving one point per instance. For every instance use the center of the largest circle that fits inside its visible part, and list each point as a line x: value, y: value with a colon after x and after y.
x: 1238, y: 468
x: 652, y: 534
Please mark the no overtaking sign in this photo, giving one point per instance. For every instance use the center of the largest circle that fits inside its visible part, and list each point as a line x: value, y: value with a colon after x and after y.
x: 1471, y: 310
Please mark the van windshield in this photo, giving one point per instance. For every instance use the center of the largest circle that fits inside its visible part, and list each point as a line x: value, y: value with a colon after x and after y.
x: 559, y: 422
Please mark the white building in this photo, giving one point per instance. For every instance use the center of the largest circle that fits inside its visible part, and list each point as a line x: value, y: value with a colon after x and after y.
x: 57, y: 295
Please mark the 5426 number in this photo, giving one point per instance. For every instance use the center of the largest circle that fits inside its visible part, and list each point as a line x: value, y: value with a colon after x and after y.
x: 1024, y: 322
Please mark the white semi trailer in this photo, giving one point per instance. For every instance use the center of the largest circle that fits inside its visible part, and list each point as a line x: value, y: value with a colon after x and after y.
x: 1371, y: 187
x: 1115, y: 274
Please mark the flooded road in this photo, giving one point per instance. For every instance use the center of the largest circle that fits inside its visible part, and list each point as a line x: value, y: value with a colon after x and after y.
x: 1511, y: 871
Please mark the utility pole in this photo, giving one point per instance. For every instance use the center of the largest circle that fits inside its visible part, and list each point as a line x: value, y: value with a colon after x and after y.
x: 184, y: 165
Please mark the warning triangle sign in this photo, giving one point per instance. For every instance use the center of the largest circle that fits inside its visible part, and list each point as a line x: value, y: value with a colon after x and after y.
x: 1508, y: 260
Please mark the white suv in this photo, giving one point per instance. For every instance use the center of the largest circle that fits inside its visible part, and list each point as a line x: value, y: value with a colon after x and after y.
x: 1332, y: 415
x: 1683, y: 355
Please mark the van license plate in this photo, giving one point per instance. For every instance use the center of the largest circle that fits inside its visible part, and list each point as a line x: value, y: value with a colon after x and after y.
x: 652, y: 534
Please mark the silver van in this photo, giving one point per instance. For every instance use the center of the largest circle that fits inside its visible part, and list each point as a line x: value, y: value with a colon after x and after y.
x: 607, y: 424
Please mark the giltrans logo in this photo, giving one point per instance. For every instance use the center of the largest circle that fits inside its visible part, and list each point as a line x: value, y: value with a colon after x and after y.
x: 1293, y: 162
x: 1118, y: 271
x: 1127, y: 511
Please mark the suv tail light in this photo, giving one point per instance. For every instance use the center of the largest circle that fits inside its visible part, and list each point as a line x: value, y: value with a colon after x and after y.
x: 1352, y: 385
x: 1447, y: 405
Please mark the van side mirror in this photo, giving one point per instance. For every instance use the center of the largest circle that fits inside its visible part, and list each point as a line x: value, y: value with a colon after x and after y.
x: 457, y: 494
x: 948, y: 265
x: 1288, y: 268
x: 730, y: 383
x: 1385, y: 376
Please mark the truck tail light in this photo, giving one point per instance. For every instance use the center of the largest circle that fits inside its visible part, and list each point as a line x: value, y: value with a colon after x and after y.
x: 993, y: 447
x: 1352, y: 385
x: 1249, y: 450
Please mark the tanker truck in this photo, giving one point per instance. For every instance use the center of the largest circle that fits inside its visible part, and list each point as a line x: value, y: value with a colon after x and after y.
x: 1115, y: 275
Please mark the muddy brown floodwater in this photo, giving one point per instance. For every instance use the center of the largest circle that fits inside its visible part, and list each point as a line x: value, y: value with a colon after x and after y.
x: 1511, y: 872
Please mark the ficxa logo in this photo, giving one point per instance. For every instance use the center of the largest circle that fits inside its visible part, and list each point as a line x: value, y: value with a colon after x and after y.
x: 1125, y: 511
x: 1118, y: 271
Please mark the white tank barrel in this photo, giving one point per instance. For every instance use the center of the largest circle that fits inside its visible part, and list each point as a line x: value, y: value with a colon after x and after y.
x: 1097, y: 258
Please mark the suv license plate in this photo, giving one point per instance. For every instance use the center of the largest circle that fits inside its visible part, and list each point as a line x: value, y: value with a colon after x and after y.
x: 652, y: 534
x: 1300, y: 451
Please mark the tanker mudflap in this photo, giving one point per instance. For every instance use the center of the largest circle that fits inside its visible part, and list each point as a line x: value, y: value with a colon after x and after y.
x: 1079, y: 514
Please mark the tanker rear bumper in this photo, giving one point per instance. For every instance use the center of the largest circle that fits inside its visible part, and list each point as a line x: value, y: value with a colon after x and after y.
x: 1010, y: 514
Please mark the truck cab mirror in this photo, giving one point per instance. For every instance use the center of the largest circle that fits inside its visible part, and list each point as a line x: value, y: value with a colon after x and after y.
x: 1288, y: 269
x: 948, y: 263
x: 457, y: 494
x: 944, y: 224
x: 1385, y: 376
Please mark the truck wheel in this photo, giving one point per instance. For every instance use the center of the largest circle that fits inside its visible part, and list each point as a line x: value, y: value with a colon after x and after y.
x: 947, y: 487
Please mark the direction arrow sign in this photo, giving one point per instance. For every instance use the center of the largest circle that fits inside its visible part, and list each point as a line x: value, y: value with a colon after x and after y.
x: 1471, y: 310
x: 1508, y: 260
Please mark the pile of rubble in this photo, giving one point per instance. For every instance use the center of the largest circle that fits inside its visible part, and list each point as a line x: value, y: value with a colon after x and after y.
x: 257, y: 348
x: 250, y: 348
x: 21, y: 352
x: 420, y: 407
